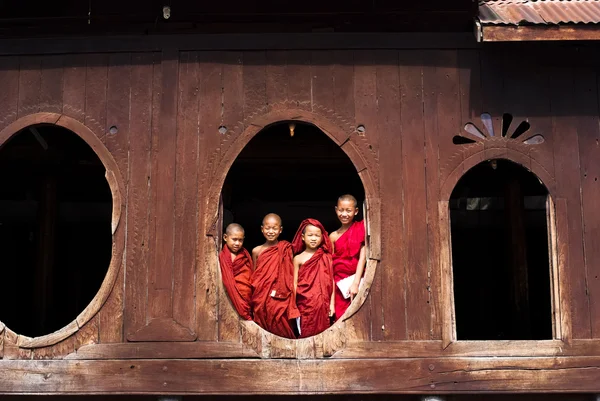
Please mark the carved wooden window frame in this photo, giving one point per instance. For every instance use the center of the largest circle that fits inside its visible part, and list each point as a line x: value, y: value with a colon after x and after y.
x: 556, y: 212
x: 356, y: 147
x: 115, y: 182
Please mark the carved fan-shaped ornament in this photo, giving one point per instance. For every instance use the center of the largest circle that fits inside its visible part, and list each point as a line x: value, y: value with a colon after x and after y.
x: 473, y: 134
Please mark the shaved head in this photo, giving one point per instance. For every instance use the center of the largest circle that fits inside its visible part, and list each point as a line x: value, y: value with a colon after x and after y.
x: 233, y: 228
x: 348, y: 198
x: 272, y: 216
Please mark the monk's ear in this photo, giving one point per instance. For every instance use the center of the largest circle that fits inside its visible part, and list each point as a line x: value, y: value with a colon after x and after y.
x: 224, y: 237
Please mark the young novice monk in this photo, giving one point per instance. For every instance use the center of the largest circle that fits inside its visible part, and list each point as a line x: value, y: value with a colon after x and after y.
x: 349, y: 256
x: 313, y: 277
x: 273, y: 302
x: 236, y: 270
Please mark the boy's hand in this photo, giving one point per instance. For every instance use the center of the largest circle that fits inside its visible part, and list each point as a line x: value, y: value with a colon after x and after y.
x: 353, y: 290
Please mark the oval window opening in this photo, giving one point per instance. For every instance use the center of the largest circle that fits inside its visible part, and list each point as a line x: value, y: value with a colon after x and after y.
x: 502, y: 273
x: 297, y: 172
x: 55, y: 228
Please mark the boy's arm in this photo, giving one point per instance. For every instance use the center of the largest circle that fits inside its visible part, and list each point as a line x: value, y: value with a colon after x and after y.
x: 255, y: 256
x: 360, y: 268
x: 296, y: 268
x: 332, y: 302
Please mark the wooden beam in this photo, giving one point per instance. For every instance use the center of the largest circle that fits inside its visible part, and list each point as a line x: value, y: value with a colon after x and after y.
x: 309, y: 41
x: 426, y: 375
x: 511, y: 33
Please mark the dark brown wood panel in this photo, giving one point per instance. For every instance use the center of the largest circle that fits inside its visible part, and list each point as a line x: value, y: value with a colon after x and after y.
x: 392, y: 267
x: 30, y: 78
x: 138, y: 236
x: 96, y: 83
x: 51, y: 84
x: 588, y: 133
x: 74, y: 86
x: 210, y: 110
x: 431, y: 375
x: 567, y: 165
x: 414, y: 199
x: 9, y: 96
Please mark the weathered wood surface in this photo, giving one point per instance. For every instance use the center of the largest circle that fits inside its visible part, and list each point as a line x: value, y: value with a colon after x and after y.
x: 170, y: 160
x: 434, y: 375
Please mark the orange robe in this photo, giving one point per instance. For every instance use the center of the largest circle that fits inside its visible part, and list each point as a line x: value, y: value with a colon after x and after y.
x: 273, y: 302
x: 345, y: 261
x: 315, y: 283
x: 236, y: 276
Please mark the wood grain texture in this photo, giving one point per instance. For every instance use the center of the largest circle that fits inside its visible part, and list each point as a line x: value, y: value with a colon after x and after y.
x: 567, y: 165
x: 140, y: 142
x: 74, y: 78
x: 419, y: 375
x: 96, y: 82
x: 30, y: 77
x: 51, y: 84
x: 9, y: 96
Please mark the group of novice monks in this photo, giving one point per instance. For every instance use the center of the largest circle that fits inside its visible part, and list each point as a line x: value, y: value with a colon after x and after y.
x: 290, y: 289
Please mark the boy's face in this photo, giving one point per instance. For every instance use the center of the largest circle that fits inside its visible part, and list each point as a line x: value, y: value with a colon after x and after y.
x: 234, y: 241
x: 271, y: 228
x: 312, y: 237
x: 346, y: 210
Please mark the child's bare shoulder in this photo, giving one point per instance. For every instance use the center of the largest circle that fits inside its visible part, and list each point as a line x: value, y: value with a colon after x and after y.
x: 256, y: 250
x: 334, y: 236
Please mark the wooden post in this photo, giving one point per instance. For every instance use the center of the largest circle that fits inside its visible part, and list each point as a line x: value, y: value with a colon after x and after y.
x: 517, y: 248
x: 47, y: 212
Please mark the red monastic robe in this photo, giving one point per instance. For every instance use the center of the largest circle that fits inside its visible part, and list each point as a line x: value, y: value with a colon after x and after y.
x: 345, y: 261
x: 236, y: 278
x: 315, y: 283
x: 273, y: 302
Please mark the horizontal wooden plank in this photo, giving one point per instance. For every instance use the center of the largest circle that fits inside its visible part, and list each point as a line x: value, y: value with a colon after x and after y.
x: 511, y: 33
x: 192, y: 350
x: 307, y: 41
x: 462, y: 349
x: 433, y: 375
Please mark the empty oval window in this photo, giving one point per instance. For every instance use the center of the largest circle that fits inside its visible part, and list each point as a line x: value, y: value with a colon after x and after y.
x: 288, y: 173
x: 502, y: 274
x: 55, y: 228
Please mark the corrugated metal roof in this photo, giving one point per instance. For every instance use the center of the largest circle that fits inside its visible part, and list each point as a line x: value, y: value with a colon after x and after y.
x: 524, y: 12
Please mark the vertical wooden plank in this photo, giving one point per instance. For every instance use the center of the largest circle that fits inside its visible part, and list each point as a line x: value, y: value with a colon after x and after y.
x: 297, y: 72
x: 51, y: 84
x: 186, y: 190
x: 588, y: 133
x: 343, y: 83
x: 233, y: 115
x: 322, y: 79
x: 96, y: 81
x: 567, y: 165
x: 254, y: 82
x: 445, y: 80
x: 430, y: 129
x: 369, y: 321
x: 9, y: 95
x: 392, y: 268
x: 74, y: 86
x: 276, y: 79
x: 210, y: 117
x: 110, y: 318
x: 138, y: 210
x: 30, y: 78
x: 449, y: 114
x: 413, y: 169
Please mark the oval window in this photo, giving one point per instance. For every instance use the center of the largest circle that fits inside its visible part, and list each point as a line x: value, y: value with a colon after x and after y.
x: 55, y: 228
x: 288, y: 172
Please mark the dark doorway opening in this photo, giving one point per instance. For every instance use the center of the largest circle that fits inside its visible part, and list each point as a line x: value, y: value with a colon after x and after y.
x: 296, y: 177
x: 55, y: 228
x: 500, y: 254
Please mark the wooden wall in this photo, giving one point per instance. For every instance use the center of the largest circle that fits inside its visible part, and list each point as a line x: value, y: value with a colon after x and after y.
x: 163, y: 322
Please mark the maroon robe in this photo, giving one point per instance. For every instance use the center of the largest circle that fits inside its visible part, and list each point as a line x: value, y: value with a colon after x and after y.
x: 236, y: 276
x: 345, y: 261
x: 273, y: 302
x: 315, y: 283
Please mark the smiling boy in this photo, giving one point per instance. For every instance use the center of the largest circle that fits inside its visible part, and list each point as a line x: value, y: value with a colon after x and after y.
x: 273, y: 302
x: 313, y: 277
x: 349, y: 255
